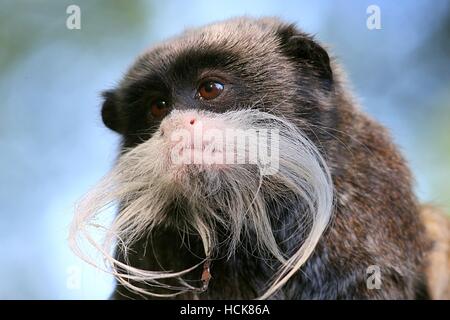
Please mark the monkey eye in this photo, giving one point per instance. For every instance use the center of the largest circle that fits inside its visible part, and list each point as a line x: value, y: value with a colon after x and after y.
x: 159, y: 108
x: 209, y: 90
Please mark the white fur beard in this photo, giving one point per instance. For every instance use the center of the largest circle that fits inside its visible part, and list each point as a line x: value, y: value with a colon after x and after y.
x: 146, y: 182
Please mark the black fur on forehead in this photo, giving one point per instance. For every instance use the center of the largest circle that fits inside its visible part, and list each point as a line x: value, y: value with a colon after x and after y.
x: 259, y: 43
x: 274, y: 67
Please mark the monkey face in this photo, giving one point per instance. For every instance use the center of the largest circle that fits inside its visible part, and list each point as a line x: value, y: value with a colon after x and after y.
x: 234, y: 65
x: 175, y: 109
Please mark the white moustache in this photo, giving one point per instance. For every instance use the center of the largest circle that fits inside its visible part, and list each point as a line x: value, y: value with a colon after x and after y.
x: 147, y: 179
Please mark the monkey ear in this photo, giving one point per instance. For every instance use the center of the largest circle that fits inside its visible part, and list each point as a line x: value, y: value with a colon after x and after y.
x: 303, y: 48
x: 111, y: 114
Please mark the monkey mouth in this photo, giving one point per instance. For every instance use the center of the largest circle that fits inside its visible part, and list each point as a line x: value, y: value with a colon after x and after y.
x: 203, y: 155
x: 190, y: 162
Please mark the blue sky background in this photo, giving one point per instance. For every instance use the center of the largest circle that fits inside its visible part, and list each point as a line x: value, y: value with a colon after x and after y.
x: 53, y: 146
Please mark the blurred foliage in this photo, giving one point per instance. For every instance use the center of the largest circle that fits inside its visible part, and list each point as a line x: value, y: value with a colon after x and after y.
x: 25, y: 24
x: 435, y: 138
x: 432, y: 115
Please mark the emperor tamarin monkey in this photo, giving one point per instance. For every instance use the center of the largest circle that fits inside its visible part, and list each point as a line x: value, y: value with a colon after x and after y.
x: 335, y: 218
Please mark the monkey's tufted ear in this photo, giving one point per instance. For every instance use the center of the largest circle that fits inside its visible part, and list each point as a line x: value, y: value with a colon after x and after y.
x: 302, y: 48
x: 111, y: 115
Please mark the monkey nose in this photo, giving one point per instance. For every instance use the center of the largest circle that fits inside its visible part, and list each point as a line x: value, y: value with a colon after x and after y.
x: 191, y: 124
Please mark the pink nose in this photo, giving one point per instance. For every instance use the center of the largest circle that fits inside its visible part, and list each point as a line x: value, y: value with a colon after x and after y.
x: 191, y: 123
